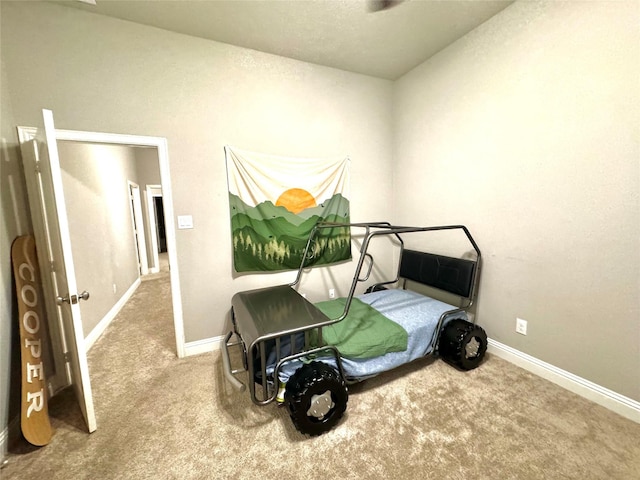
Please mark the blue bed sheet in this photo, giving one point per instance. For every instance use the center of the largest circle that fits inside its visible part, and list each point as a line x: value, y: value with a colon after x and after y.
x: 416, y: 313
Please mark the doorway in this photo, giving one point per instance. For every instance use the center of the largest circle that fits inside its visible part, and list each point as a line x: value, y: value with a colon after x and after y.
x: 156, y: 149
x: 156, y: 228
x: 159, y: 214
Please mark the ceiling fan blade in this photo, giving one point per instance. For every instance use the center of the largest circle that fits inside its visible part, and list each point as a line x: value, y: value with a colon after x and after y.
x: 380, y: 5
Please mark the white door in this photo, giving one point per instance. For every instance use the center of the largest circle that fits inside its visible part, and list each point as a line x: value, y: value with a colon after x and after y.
x: 47, y: 204
x: 138, y: 228
x: 57, y: 372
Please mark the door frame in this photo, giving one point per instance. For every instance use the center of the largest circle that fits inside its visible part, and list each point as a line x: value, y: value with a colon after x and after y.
x: 26, y: 134
x: 152, y: 192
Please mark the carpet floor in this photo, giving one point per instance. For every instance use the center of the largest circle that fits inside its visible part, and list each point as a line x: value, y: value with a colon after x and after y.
x: 160, y: 417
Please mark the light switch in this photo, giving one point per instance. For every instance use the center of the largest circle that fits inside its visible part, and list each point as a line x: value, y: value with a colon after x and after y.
x: 185, y: 221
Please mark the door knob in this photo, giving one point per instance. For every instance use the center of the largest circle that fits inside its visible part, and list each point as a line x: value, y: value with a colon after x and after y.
x: 72, y: 299
x: 61, y: 300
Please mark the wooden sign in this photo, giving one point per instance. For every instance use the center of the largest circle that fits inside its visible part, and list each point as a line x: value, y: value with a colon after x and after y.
x: 35, y: 423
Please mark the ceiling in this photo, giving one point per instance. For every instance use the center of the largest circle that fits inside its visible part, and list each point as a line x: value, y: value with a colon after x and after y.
x: 344, y: 34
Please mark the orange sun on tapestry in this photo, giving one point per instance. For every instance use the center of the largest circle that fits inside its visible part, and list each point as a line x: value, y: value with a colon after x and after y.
x: 296, y: 200
x: 276, y: 201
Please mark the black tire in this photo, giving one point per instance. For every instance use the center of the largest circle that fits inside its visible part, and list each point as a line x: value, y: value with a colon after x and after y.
x: 463, y: 344
x: 319, y: 385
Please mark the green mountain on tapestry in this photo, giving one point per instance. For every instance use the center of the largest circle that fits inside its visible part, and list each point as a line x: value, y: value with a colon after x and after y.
x: 274, y: 204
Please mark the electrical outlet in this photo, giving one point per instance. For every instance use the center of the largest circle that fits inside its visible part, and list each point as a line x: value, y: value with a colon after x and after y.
x: 332, y: 293
x: 521, y: 326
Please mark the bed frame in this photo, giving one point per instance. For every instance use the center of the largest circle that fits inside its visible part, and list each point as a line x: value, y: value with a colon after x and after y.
x: 277, y: 321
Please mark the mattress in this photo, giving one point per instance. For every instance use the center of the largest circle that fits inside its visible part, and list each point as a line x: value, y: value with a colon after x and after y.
x: 417, y: 314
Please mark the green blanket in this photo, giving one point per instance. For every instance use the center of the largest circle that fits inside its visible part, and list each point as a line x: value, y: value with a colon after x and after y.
x: 364, y: 333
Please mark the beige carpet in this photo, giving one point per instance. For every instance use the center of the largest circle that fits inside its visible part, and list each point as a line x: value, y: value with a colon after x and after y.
x: 160, y: 417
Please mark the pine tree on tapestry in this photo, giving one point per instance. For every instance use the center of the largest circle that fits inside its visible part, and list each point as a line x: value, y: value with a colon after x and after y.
x: 274, y: 204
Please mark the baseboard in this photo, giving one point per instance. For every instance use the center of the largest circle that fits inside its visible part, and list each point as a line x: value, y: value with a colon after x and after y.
x: 202, y: 346
x: 8, y: 436
x: 108, y: 318
x: 615, y: 402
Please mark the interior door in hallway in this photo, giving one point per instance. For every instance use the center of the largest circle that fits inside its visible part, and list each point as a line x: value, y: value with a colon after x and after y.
x: 138, y: 228
x: 51, y: 225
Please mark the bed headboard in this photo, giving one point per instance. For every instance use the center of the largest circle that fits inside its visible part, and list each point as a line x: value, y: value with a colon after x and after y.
x: 453, y: 275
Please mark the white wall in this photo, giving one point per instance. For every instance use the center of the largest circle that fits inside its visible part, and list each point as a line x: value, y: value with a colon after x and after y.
x: 527, y: 131
x: 14, y: 221
x: 102, y: 74
x: 147, y: 166
x: 94, y: 179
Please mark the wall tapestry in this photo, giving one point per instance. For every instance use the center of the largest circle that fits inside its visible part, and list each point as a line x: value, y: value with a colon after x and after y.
x: 275, y: 202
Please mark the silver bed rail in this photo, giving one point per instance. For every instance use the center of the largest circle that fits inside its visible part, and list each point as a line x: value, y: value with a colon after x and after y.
x: 375, y: 229
x: 226, y: 362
